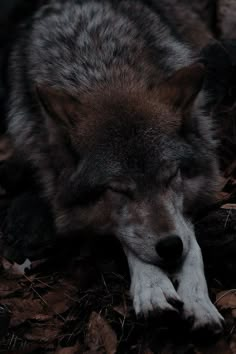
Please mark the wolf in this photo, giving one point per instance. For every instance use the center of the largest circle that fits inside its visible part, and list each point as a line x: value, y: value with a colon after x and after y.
x: 107, y: 104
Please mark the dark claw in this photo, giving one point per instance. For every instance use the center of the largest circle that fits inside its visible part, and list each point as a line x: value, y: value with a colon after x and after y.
x: 178, y: 304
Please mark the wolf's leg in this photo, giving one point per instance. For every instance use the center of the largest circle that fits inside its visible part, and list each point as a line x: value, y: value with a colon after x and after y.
x: 151, y: 289
x: 192, y: 289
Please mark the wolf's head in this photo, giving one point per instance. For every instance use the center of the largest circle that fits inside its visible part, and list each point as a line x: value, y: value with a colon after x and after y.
x: 138, y: 162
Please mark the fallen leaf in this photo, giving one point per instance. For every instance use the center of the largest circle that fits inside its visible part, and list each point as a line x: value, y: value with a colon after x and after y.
x: 58, y: 300
x: 221, y: 347
x: 121, y: 309
x: 232, y: 343
x: 227, y: 300
x: 21, y: 268
x: 148, y: 351
x: 228, y: 206
x: 46, y: 332
x: 76, y: 349
x: 100, y: 335
x: 9, y: 287
x: 25, y: 309
x: 9, y: 267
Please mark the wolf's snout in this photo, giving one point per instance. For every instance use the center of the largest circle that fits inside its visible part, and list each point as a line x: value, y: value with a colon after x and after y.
x: 170, y: 249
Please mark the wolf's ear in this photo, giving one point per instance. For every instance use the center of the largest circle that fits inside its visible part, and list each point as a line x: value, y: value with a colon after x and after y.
x: 58, y: 104
x: 181, y: 89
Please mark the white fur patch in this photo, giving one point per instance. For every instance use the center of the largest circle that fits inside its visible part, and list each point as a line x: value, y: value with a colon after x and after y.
x: 151, y: 289
x: 193, y: 291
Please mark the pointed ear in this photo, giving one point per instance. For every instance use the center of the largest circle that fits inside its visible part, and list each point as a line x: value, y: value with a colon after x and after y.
x: 181, y: 89
x: 58, y: 104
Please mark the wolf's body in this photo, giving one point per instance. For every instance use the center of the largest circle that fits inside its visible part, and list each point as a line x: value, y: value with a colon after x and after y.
x: 106, y: 103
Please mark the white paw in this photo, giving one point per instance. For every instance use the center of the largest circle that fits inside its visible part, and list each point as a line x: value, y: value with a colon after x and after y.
x: 198, y: 309
x: 202, y: 315
x: 153, y: 293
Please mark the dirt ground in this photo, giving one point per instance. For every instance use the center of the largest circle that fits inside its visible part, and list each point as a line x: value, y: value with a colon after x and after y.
x: 57, y: 298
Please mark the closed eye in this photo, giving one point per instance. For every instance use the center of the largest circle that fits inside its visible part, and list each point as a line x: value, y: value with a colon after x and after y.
x: 190, y: 171
x: 83, y: 195
x: 122, y: 188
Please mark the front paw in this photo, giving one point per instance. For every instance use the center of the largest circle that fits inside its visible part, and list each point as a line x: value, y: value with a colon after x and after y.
x: 154, y: 296
x: 203, y: 317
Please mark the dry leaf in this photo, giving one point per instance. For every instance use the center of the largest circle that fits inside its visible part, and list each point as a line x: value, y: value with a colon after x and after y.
x: 70, y: 350
x: 227, y: 300
x: 42, y: 334
x: 148, y: 351
x: 57, y: 300
x: 121, y: 309
x: 25, y: 309
x: 232, y: 343
x: 221, y: 347
x: 21, y: 268
x: 228, y: 206
x: 9, y: 287
x: 100, y: 335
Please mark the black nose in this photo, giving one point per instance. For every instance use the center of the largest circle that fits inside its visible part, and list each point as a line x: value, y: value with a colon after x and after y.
x: 170, y: 249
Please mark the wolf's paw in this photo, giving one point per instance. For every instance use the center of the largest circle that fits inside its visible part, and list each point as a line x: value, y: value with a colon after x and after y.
x: 154, y: 295
x: 204, y: 318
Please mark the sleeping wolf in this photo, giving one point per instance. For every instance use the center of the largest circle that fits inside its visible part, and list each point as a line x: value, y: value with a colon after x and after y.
x: 106, y: 102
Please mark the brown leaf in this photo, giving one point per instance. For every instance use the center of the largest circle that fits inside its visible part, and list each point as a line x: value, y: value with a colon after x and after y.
x: 121, y: 309
x: 221, y: 347
x: 228, y: 206
x: 100, y: 335
x: 148, y: 351
x: 26, y: 309
x: 44, y: 332
x: 42, y: 317
x: 57, y: 300
x: 233, y: 343
x: 21, y: 268
x: 9, y: 287
x: 10, y: 268
x: 227, y: 300
x: 76, y: 349
x: 221, y: 196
